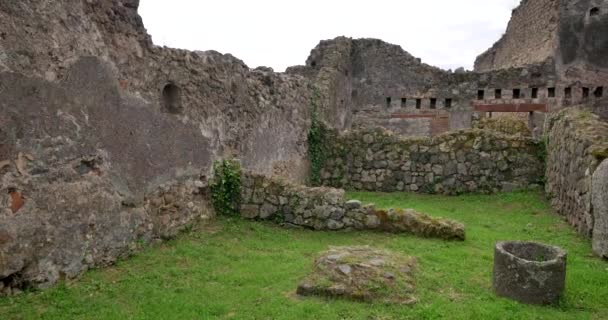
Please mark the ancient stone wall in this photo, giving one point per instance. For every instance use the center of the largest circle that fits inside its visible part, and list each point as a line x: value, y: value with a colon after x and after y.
x: 329, y: 66
x: 531, y: 37
x: 326, y: 209
x: 599, y: 202
x: 583, y: 46
x: 458, y: 162
x: 567, y: 33
x: 106, y: 140
x: 238, y: 110
x: 577, y: 142
x: 378, y: 84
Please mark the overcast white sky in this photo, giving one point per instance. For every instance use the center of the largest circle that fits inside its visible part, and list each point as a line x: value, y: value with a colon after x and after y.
x: 281, y: 33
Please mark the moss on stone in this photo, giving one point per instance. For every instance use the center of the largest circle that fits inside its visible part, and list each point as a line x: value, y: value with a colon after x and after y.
x: 362, y: 274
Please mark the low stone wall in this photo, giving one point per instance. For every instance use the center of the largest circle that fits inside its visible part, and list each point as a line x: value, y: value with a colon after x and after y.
x: 577, y: 142
x: 326, y: 209
x: 457, y: 162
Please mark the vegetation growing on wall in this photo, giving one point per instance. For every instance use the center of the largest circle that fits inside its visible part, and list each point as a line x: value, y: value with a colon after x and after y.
x: 506, y: 125
x: 316, y: 141
x: 226, y: 187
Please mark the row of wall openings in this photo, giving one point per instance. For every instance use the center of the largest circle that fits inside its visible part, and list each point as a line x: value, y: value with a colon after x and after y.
x: 433, y: 105
x: 534, y: 95
x: 598, y: 92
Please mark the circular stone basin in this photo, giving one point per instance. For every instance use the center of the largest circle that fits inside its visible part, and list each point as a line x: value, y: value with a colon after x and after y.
x: 529, y: 272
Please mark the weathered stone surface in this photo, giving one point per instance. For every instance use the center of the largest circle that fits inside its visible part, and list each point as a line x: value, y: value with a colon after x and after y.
x: 106, y: 139
x: 250, y: 211
x: 464, y: 161
x: 577, y: 143
x: 326, y: 209
x: 420, y: 224
x: 506, y: 125
x: 529, y: 272
x: 362, y: 274
x: 600, y: 210
x: 94, y: 160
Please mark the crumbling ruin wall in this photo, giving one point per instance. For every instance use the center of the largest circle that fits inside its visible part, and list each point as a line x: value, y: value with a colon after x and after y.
x: 326, y: 209
x: 577, y: 142
x: 329, y: 67
x: 531, y: 37
x: 377, y: 84
x: 458, y: 162
x: 106, y: 140
x: 583, y: 45
x: 568, y: 33
x: 238, y: 110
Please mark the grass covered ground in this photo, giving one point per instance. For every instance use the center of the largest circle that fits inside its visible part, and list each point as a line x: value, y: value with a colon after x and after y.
x: 235, y: 269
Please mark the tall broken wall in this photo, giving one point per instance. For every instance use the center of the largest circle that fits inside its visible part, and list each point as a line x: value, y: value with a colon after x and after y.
x: 107, y: 140
x: 531, y: 37
x: 569, y: 33
x: 577, y: 143
x: 583, y: 45
x: 368, y: 83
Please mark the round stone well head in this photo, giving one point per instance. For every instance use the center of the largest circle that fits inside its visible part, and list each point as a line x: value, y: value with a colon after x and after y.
x: 529, y: 272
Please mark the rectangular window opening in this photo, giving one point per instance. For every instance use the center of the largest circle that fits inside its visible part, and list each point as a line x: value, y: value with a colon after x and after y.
x: 568, y: 92
x: 448, y: 103
x: 551, y: 92
x: 403, y: 102
x: 498, y: 94
x: 388, y: 102
x: 516, y: 93
x: 418, y: 103
x: 599, y: 92
x: 480, y: 94
x: 585, y: 93
x: 433, y: 103
x: 534, y: 93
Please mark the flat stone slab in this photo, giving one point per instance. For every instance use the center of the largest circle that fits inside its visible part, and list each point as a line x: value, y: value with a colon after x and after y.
x: 362, y: 273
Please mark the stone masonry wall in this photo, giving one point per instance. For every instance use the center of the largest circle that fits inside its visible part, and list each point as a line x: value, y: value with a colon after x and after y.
x: 577, y: 142
x: 463, y: 161
x: 531, y: 37
x: 326, y: 209
x: 96, y: 157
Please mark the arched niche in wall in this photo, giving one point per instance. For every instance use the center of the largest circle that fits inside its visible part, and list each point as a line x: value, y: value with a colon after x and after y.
x: 171, y: 98
x: 594, y: 11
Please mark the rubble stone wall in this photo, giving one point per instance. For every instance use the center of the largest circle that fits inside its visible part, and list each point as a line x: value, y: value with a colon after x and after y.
x: 464, y: 161
x: 577, y: 143
x: 326, y: 209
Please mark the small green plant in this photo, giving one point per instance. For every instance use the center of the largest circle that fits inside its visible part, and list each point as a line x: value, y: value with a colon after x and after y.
x: 226, y: 187
x: 316, y: 141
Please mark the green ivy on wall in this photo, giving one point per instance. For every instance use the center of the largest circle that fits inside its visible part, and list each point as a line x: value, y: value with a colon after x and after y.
x: 226, y: 187
x: 316, y: 141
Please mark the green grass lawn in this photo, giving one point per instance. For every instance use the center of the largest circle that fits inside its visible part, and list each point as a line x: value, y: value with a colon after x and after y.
x: 235, y: 269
